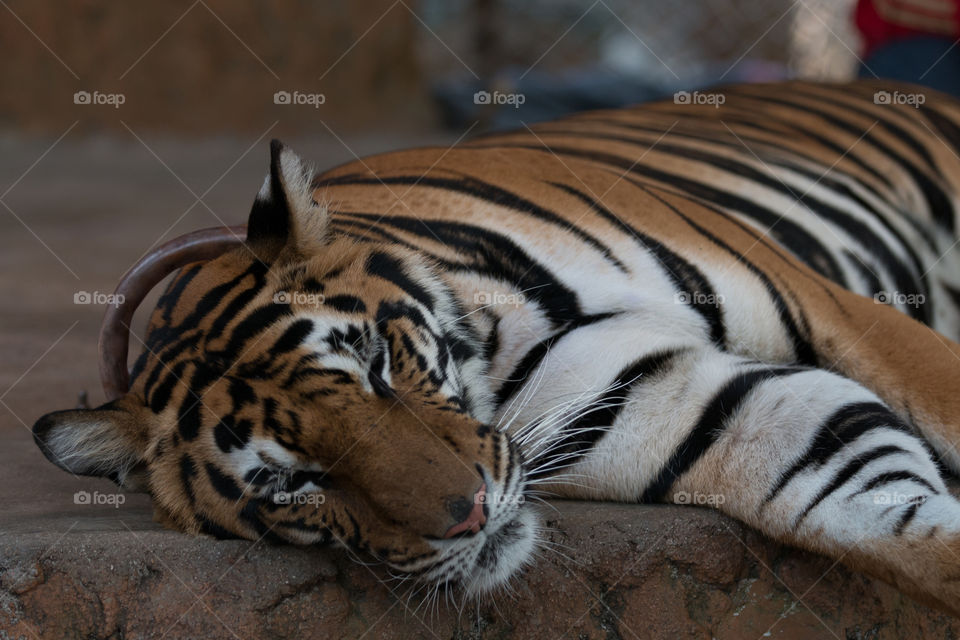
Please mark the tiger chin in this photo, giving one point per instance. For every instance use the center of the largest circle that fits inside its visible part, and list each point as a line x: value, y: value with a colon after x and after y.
x: 305, y: 389
x: 755, y: 303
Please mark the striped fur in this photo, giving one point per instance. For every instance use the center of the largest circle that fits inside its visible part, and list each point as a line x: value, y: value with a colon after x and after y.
x: 673, y: 303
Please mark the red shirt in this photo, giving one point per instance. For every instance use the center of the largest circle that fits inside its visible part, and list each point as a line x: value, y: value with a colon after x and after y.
x: 882, y: 21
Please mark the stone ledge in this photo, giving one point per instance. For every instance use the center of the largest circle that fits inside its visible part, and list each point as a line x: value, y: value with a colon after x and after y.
x: 629, y: 571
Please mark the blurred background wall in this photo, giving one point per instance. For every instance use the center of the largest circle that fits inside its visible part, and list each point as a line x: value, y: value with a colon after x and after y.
x: 214, y: 66
x: 124, y: 124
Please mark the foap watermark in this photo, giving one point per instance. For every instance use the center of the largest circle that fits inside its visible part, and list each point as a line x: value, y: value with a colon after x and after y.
x: 299, y: 298
x: 312, y: 498
x: 499, y: 498
x: 698, y: 298
x: 893, y: 498
x: 499, y: 97
x: 899, y: 298
x: 495, y: 298
x: 699, y: 97
x: 699, y: 499
x: 99, y: 98
x: 899, y: 97
x: 95, y: 297
x: 299, y: 98
x: 99, y: 499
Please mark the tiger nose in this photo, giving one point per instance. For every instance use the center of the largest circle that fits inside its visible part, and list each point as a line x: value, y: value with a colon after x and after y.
x: 471, y: 516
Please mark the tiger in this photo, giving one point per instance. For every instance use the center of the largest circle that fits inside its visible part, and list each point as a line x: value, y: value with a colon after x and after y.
x: 754, y: 297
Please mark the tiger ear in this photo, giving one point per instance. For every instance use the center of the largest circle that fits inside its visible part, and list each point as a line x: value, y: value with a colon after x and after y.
x: 109, y: 441
x: 284, y: 215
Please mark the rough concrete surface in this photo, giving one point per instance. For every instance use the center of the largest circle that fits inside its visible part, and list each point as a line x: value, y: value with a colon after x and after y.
x: 86, y: 211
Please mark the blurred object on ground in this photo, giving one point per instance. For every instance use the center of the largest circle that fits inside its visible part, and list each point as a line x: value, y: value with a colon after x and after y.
x: 543, y: 59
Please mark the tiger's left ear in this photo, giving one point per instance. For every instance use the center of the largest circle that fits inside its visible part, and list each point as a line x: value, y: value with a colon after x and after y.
x: 110, y: 441
x: 285, y: 217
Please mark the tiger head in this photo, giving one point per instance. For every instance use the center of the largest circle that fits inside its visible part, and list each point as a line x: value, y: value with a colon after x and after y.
x: 310, y: 388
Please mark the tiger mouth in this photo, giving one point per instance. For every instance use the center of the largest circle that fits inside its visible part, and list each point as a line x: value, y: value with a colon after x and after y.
x: 482, y: 565
x: 509, y: 534
x: 488, y: 559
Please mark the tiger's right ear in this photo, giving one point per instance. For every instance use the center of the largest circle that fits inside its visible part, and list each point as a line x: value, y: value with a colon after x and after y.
x: 284, y: 215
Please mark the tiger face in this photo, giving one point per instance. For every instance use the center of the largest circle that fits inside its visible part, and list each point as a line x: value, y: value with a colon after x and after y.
x: 307, y: 389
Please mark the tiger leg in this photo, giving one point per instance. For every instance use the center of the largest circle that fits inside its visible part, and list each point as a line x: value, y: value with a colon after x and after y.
x: 914, y: 369
x: 818, y: 461
x: 806, y: 456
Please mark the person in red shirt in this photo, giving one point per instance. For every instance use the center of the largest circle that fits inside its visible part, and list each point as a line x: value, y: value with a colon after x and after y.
x: 911, y: 40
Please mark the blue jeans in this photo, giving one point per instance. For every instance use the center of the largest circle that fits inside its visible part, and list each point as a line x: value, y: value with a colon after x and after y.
x: 927, y: 60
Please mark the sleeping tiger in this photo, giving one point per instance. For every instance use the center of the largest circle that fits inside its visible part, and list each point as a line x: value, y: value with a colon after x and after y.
x: 755, y: 301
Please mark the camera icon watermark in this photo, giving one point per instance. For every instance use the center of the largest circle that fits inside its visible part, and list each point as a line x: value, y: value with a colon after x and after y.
x: 899, y: 97
x: 894, y: 298
x: 496, y: 298
x: 299, y: 98
x: 698, y: 298
x: 500, y: 498
x: 312, y: 498
x: 99, y: 499
x: 299, y: 298
x: 699, y: 98
x: 894, y: 498
x: 699, y: 499
x: 95, y: 297
x: 98, y: 98
x: 499, y: 98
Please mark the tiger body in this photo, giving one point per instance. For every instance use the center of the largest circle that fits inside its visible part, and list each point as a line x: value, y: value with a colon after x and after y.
x: 663, y: 303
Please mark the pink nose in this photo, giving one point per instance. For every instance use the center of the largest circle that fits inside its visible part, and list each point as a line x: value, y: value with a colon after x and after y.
x: 475, y: 520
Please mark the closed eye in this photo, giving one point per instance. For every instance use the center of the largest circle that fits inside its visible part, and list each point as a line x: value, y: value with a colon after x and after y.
x: 379, y: 376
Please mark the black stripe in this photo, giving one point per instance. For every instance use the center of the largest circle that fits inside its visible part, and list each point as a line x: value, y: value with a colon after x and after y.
x: 802, y: 347
x: 188, y: 417
x: 870, y: 281
x: 223, y: 484
x: 492, y: 254
x: 948, y: 129
x: 163, y: 358
x: 161, y: 396
x: 905, y: 519
x: 724, y: 405
x: 232, y: 434
x: 876, y: 115
x: 253, y: 324
x: 233, y: 310
x: 518, y: 377
x: 391, y: 269
x: 856, y: 229
x: 787, y: 233
x: 896, y: 476
x: 842, y: 428
x: 167, y: 342
x: 171, y: 296
x: 205, y: 306
x: 848, y: 471
x: 188, y: 470
x: 815, y: 135
x: 588, y: 429
x: 382, y: 234
x: 776, y: 158
x: 345, y: 303
x: 488, y: 192
x: 292, y: 337
x: 685, y: 276
x: 937, y: 201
